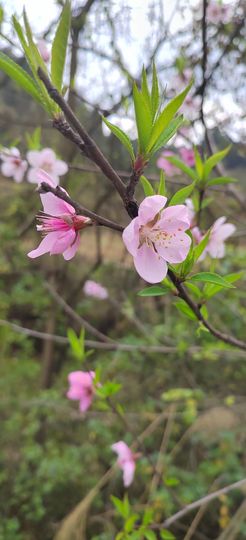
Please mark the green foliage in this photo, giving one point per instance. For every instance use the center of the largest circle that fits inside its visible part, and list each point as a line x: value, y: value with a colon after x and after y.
x: 212, y: 161
x: 182, y: 166
x: 147, y: 187
x: 34, y: 139
x: 211, y: 277
x: 155, y: 290
x: 19, y: 76
x: 59, y: 46
x: 123, y: 138
x: 162, y: 184
x: 182, y: 194
x: 143, y: 119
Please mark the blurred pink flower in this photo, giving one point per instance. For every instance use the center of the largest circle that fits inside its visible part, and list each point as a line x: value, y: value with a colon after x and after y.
x: 126, y: 461
x: 197, y: 235
x: 59, y: 223
x: 191, y: 211
x: 188, y: 156
x: 92, y: 288
x: 43, y: 49
x: 164, y: 164
x: 156, y: 237
x: 46, y: 160
x: 217, y: 12
x: 191, y: 107
x: 81, y: 388
x: 12, y: 164
x: 220, y: 231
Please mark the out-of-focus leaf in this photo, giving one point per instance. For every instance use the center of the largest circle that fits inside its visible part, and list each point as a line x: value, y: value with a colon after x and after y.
x: 162, y: 184
x: 147, y: 187
x: 221, y: 180
x: 198, y: 163
x: 59, y: 47
x: 180, y: 196
x: 19, y: 76
x: 185, y: 309
x: 211, y: 277
x: 155, y: 290
x: 123, y: 137
x: 168, y: 133
x: 211, y: 162
x: 154, y: 92
x: 182, y: 166
x: 211, y: 289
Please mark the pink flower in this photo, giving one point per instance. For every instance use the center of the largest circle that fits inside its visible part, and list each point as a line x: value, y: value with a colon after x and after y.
x: 218, y: 12
x: 126, y: 461
x: 191, y: 107
x: 156, y: 237
x: 220, y: 231
x: 197, y: 235
x: 191, y: 211
x: 43, y: 50
x: 188, y: 156
x: 164, y: 164
x: 92, y: 288
x: 81, y: 388
x: 12, y: 164
x: 46, y: 160
x: 59, y: 223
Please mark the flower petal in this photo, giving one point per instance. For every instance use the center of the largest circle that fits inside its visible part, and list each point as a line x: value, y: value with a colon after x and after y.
x: 123, y: 451
x: 59, y: 167
x: 85, y: 402
x: 128, y: 472
x: 44, y: 247
x: 150, y: 207
x: 63, y: 241
x: 178, y: 212
x: 174, y: 249
x: 150, y: 265
x: 35, y: 159
x: 71, y: 250
x: 130, y: 236
x: 54, y: 206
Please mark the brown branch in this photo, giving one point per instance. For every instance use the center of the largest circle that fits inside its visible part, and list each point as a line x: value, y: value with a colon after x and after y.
x: 196, y: 310
x: 91, y: 149
x: 200, y: 502
x: 61, y: 194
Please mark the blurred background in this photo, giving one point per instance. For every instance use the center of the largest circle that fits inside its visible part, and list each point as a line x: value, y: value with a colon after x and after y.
x: 174, y: 381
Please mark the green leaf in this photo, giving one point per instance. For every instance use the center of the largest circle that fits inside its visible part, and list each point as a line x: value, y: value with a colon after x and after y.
x: 59, y: 47
x: 211, y: 162
x: 145, y: 89
x: 147, y: 187
x: 221, y: 180
x: 166, y: 116
x: 162, y: 184
x: 34, y: 139
x: 19, y: 76
x: 199, y: 249
x: 154, y: 92
x: 155, y: 290
x: 210, y: 277
x: 178, y: 163
x: 130, y: 522
x: 166, y: 535
x: 168, y: 133
x: 185, y: 309
x: 143, y: 119
x: 123, y: 137
x: 211, y: 289
x: 33, y: 49
x: 180, y: 196
x: 150, y: 535
x: 121, y: 506
x: 198, y: 163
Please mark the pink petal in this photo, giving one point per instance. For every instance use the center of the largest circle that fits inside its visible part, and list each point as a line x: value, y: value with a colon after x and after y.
x: 128, y: 472
x: 48, y: 156
x: 123, y: 451
x: 225, y: 231
x: 175, y: 248
x: 216, y: 250
x: 20, y: 171
x: 85, y: 402
x: 70, y: 251
x: 149, y: 265
x: 177, y: 212
x: 130, y: 236
x: 7, y: 168
x: 83, y: 378
x: 35, y: 159
x: 54, y: 206
x: 63, y: 241
x: 59, y: 167
x: 217, y: 224
x: 150, y: 207
x: 32, y: 175
x: 45, y: 246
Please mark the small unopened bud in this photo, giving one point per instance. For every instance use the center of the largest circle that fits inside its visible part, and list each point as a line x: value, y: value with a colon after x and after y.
x: 44, y: 51
x: 80, y: 222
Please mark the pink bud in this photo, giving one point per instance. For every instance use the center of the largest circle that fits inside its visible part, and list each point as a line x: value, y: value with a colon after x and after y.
x: 44, y: 52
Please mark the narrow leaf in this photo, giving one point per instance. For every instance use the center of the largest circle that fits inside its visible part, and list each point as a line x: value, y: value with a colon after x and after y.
x: 143, y: 119
x: 221, y: 180
x: 166, y: 116
x: 155, y: 290
x: 182, y: 166
x: 185, y: 309
x: 210, y: 277
x: 199, y: 249
x: 147, y: 187
x: 19, y: 76
x: 145, y: 89
x: 213, y: 160
x: 211, y: 289
x: 123, y: 137
x: 168, y: 133
x: 180, y: 196
x: 154, y: 92
x: 198, y: 163
x: 162, y: 184
x: 59, y: 47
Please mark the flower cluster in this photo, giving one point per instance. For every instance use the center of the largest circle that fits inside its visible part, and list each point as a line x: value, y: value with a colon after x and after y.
x: 13, y: 166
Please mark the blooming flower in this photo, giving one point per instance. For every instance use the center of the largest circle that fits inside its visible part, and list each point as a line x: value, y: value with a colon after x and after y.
x: 220, y: 231
x: 92, y: 288
x: 164, y: 164
x: 46, y: 160
x: 81, y: 388
x: 217, y: 12
x: 43, y: 49
x: 126, y: 461
x: 12, y: 164
x: 59, y: 223
x: 188, y: 156
x: 157, y: 236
